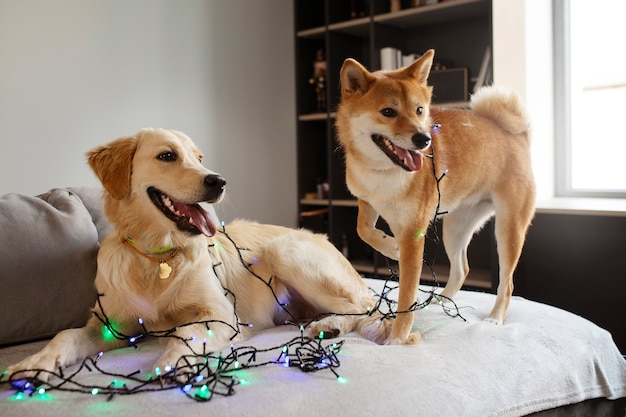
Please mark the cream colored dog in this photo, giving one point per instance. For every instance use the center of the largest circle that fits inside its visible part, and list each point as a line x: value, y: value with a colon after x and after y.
x: 167, y: 265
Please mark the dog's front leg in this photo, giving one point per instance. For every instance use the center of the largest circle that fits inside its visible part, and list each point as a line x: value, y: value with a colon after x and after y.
x: 411, y: 254
x: 66, y: 348
x: 189, y: 345
x: 376, y: 238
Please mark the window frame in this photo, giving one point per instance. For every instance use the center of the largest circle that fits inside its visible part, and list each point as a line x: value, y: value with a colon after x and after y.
x: 562, y: 108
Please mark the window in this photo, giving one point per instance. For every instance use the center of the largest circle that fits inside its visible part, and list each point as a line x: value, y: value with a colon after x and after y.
x: 590, y: 98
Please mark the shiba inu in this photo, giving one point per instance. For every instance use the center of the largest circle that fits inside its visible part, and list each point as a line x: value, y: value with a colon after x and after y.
x: 408, y: 162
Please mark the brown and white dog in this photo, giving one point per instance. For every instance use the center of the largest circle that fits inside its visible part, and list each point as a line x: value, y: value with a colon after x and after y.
x: 167, y: 264
x: 397, y: 149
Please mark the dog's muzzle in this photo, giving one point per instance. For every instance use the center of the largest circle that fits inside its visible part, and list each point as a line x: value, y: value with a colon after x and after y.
x: 408, y: 159
x: 191, y: 217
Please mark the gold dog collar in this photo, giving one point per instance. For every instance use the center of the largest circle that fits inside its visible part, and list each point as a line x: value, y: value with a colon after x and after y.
x: 165, y: 270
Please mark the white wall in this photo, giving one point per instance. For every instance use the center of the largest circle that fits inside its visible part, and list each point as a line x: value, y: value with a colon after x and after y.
x: 75, y: 74
x: 522, y: 44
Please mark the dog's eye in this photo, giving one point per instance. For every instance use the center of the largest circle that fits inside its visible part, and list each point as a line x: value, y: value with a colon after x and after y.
x: 389, y: 112
x: 419, y: 111
x: 168, y: 156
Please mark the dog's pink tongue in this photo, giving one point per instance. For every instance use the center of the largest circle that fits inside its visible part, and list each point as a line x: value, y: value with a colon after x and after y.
x: 413, y: 160
x: 204, y: 220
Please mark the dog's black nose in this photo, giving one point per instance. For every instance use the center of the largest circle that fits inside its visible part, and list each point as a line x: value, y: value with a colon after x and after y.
x: 421, y: 140
x: 215, y: 182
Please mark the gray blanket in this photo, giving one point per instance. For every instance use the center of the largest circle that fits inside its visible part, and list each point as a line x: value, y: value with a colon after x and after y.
x: 541, y: 358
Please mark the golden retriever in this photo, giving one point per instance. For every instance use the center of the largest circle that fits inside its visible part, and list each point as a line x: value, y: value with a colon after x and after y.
x: 167, y: 265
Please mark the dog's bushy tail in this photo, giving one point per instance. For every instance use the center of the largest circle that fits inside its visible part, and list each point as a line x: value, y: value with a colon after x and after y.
x: 503, y: 106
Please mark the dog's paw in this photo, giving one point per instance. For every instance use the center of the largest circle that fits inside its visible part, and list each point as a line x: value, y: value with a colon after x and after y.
x: 327, y: 328
x: 411, y: 339
x: 180, y: 364
x: 39, y: 366
x: 375, y: 327
x: 382, y: 242
x: 494, y: 320
x: 389, y: 248
x: 177, y: 365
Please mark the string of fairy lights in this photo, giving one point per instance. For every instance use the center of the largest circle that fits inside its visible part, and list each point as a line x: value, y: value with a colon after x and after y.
x: 202, y: 375
x: 205, y: 374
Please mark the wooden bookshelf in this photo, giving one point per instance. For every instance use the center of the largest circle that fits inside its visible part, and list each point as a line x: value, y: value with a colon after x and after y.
x: 458, y: 30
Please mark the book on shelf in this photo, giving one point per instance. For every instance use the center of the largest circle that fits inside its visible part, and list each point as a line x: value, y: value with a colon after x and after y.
x: 393, y: 58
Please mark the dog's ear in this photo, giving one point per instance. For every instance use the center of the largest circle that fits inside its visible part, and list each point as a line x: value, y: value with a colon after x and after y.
x: 420, y: 69
x: 112, y: 163
x: 354, y: 78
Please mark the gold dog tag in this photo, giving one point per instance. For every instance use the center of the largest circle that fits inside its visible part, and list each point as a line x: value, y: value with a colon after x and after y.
x: 164, y: 270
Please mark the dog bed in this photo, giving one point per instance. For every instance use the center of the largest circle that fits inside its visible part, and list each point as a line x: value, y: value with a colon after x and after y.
x: 543, y: 360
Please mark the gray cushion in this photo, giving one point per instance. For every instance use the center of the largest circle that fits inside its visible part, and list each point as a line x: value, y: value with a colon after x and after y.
x: 92, y: 199
x: 47, y: 264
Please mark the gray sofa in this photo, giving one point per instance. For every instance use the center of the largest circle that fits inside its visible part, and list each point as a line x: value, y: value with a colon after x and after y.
x: 543, y: 360
x: 48, y: 261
